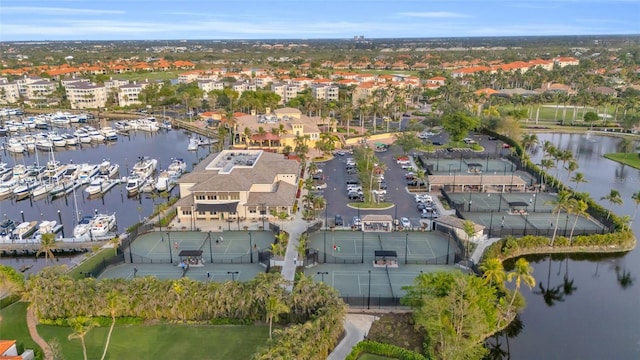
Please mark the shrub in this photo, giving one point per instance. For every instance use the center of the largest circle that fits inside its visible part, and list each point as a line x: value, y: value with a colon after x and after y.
x: 373, y: 347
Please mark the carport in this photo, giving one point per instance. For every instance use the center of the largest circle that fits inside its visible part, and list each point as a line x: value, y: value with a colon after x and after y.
x: 377, y: 223
x: 463, y: 183
x: 518, y: 208
x: 385, y: 258
x: 474, y: 168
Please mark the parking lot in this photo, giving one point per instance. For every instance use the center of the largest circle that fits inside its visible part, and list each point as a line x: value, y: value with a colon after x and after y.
x: 336, y: 195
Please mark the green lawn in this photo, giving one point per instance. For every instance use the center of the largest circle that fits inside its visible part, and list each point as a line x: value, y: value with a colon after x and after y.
x: 164, y: 341
x: 630, y: 159
x: 14, y: 325
x: 89, y: 264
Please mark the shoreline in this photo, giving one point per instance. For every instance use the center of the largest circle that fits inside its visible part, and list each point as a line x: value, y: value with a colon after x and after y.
x: 571, y: 250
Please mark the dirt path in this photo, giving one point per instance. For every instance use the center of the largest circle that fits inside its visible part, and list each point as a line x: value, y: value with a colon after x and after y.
x: 32, y: 321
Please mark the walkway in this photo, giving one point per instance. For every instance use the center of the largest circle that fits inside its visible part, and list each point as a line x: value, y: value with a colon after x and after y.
x: 356, y: 327
x: 477, y: 253
x: 32, y: 322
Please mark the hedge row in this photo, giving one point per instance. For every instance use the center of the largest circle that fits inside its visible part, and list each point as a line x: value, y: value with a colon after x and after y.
x: 382, y: 349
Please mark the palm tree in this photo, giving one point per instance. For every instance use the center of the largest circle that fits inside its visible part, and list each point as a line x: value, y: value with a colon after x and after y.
x: 613, y: 198
x: 636, y: 199
x: 115, y: 302
x: 577, y: 208
x: 469, y: 230
x: 571, y: 167
x: 493, y: 271
x: 559, y: 204
x: 529, y: 140
x: 47, y: 244
x: 274, y: 308
x: 80, y: 326
x: 522, y: 274
x: 578, y: 178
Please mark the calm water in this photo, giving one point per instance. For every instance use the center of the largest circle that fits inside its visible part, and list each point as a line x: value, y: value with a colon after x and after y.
x: 591, y: 307
x: 163, y: 145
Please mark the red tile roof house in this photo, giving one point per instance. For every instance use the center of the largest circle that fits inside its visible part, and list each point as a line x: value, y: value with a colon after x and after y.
x: 9, y: 351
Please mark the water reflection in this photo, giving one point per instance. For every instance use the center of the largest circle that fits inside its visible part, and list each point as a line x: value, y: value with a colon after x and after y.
x: 498, y: 344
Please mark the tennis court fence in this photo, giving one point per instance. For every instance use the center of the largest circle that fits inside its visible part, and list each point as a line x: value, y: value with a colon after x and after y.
x: 372, y: 302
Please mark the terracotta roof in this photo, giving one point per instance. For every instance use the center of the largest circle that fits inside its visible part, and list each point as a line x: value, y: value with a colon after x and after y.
x: 6, y: 345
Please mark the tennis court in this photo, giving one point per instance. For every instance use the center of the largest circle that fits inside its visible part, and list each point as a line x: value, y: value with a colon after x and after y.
x: 543, y: 224
x: 354, y: 247
x: 354, y: 281
x: 496, y: 201
x: 208, y: 272
x: 487, y: 166
x: 225, y: 247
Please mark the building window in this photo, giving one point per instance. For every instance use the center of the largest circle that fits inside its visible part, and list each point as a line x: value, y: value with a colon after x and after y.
x: 211, y: 197
x: 186, y: 212
x: 200, y: 197
x: 252, y: 211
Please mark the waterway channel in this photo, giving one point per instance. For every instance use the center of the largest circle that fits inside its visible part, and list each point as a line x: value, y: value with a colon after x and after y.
x: 584, y: 307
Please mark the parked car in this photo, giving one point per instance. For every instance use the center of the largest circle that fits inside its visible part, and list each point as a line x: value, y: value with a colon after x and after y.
x: 356, y: 221
x: 338, y: 220
x: 429, y: 213
x: 405, y: 222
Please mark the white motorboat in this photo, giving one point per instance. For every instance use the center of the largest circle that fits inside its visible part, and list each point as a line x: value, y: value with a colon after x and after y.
x: 64, y: 187
x: 24, y: 190
x: 24, y: 230
x: 29, y: 142
x: 82, y: 229
x: 6, y: 227
x: 102, y: 224
x: 134, y: 184
x: 96, y: 136
x: 177, y: 167
x: 57, y: 140
x: 82, y: 136
x: 145, y: 167
x: 87, y: 172
x: 149, y: 185
x: 95, y: 187
x: 108, y: 169
x: 148, y: 125
x: 108, y: 184
x: 70, y: 139
x: 44, y: 144
x: 43, y: 189
x: 193, y: 144
x: 47, y: 227
x: 15, y: 146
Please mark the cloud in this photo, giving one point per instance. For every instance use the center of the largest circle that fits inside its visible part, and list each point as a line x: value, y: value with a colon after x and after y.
x: 56, y: 11
x: 434, y: 14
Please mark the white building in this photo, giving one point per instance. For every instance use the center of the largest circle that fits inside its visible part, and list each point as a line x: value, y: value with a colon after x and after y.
x: 83, y: 95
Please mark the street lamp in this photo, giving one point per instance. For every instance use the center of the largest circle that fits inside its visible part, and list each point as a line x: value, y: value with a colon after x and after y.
x: 448, y: 244
x: 326, y: 211
x: 565, y: 225
x: 323, y: 273
x: 450, y: 169
x: 251, y: 247
x: 263, y: 213
x: 369, y: 294
x: 233, y: 275
x: 362, y: 247
x: 491, y: 224
x: 406, y: 247
x: 169, y: 245
x: 526, y: 218
x: 534, y: 202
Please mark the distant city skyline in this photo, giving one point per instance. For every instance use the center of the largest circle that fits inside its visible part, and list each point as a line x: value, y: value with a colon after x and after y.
x: 30, y: 20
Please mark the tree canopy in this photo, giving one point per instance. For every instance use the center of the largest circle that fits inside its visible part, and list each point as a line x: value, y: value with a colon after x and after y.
x: 458, y: 124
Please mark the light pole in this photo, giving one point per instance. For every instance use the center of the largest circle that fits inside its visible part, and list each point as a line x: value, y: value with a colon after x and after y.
x: 505, y: 169
x: 263, y: 213
x: 233, y: 275
x: 250, y: 246
x: 169, y: 245
x: 526, y: 218
x: 534, y: 202
x: 565, y: 225
x: 323, y: 273
x: 450, y: 169
x: 470, y: 201
x: 406, y: 247
x: 369, y: 294
x: 362, y: 248
x: 491, y: 224
x: 326, y: 212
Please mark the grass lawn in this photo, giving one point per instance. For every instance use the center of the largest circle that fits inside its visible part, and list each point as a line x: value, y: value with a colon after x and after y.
x: 14, y: 326
x: 89, y: 264
x: 382, y: 205
x: 630, y: 159
x: 164, y: 341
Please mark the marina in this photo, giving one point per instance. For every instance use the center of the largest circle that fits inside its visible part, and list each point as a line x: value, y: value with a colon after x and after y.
x: 88, y: 179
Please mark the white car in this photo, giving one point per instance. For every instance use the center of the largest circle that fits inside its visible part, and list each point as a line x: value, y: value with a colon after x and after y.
x: 356, y: 221
x: 379, y: 192
x: 405, y: 222
x: 423, y: 198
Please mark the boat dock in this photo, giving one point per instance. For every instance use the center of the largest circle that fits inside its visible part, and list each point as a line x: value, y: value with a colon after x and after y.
x: 61, y: 243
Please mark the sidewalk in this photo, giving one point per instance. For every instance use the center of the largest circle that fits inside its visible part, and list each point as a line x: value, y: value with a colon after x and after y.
x: 479, y: 250
x: 356, y: 327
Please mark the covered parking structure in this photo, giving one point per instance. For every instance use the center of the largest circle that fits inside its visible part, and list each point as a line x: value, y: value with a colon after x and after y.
x: 377, y: 223
x: 482, y: 183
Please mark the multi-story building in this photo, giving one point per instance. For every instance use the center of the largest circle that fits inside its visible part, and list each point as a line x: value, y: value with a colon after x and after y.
x: 210, y: 85
x: 238, y: 185
x: 84, y: 95
x: 325, y: 92
x: 9, y: 93
x: 286, y: 92
x: 39, y: 90
x: 128, y: 94
x: 241, y: 87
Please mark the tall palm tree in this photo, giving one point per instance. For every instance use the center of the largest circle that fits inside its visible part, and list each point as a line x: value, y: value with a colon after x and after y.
x: 469, y: 230
x: 636, y: 199
x: 47, y: 244
x: 274, y: 308
x: 493, y: 272
x: 578, y: 178
x: 571, y: 167
x: 577, y: 208
x: 81, y: 325
x: 559, y: 204
x: 613, y: 198
x: 115, y: 301
x: 521, y: 274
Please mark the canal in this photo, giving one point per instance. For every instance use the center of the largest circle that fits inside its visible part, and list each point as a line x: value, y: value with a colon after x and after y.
x: 584, y: 307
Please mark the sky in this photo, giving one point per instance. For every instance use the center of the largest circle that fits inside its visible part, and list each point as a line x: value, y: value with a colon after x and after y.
x: 31, y: 20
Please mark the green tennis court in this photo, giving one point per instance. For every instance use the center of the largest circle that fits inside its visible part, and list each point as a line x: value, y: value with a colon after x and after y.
x: 490, y: 166
x: 232, y: 246
x: 354, y: 247
x: 496, y: 201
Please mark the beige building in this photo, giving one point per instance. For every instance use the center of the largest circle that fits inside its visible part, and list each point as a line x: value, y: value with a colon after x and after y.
x: 9, y: 93
x: 238, y: 185
x: 292, y: 122
x: 83, y: 95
